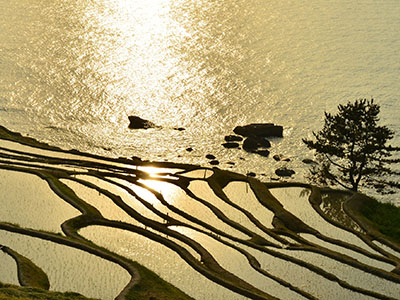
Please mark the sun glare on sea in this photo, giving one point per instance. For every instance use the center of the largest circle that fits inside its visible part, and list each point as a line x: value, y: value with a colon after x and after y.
x: 138, y: 54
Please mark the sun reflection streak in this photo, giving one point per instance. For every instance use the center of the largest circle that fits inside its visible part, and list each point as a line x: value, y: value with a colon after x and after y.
x: 167, y: 190
x: 137, y: 47
x: 156, y: 171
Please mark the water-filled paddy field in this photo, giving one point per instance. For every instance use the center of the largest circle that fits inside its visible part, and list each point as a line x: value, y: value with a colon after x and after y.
x: 87, y: 221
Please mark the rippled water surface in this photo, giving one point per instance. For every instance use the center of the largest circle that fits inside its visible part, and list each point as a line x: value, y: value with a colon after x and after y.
x: 71, y: 72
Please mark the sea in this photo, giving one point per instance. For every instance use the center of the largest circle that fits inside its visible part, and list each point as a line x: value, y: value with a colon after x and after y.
x: 71, y: 72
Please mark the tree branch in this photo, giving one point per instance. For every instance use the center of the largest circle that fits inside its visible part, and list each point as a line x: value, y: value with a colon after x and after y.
x: 335, y: 163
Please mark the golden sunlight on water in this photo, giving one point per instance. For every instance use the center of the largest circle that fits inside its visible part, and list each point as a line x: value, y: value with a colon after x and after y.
x: 143, y: 70
x: 169, y: 192
x: 71, y: 72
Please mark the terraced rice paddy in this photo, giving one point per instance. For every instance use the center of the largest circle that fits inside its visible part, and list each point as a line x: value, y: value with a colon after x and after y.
x: 87, y: 220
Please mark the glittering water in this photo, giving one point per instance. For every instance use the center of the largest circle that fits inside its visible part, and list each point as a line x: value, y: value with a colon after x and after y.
x: 71, y: 72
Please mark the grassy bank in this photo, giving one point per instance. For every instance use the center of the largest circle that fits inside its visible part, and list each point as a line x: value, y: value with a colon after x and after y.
x: 153, y: 287
x: 29, y: 274
x: 385, y: 216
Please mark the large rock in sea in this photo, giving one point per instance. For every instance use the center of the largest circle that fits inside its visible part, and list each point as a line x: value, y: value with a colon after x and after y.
x: 260, y: 129
x: 139, y: 123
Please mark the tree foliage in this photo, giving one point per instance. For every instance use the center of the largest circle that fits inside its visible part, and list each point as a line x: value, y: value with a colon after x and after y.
x: 352, y: 149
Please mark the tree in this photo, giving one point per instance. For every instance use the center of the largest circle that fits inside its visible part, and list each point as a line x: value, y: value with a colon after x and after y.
x: 352, y: 149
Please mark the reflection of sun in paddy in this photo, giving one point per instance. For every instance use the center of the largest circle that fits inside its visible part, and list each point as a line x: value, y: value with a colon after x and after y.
x: 143, y: 193
x: 185, y: 231
x: 172, y: 194
x: 157, y: 171
x: 168, y: 191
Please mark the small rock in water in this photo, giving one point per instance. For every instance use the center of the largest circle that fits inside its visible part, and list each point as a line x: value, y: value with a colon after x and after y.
x: 251, y: 174
x: 233, y: 138
x: 284, y: 172
x: 210, y: 156
x: 308, y: 161
x: 136, y: 122
x: 189, y: 149
x: 179, y: 128
x: 231, y: 163
x: 230, y: 145
x: 214, y: 162
x: 264, y: 153
x: 280, y: 157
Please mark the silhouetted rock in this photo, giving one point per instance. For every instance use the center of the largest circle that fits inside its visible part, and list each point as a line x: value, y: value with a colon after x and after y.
x: 210, y: 156
x: 179, y: 128
x: 189, y: 149
x: 308, y: 161
x: 231, y: 145
x: 139, y: 123
x: 233, y: 138
x: 284, y: 172
x: 214, y: 162
x: 259, y: 129
x: 251, y: 174
x: 280, y: 157
x: 264, y: 153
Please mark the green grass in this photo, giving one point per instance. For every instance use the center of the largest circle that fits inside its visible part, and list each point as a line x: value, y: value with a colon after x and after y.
x: 151, y: 286
x: 29, y: 274
x: 385, y: 216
